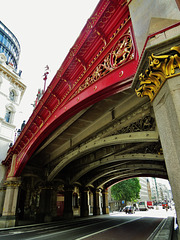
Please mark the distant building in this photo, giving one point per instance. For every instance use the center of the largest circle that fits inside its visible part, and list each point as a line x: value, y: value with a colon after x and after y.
x: 11, y: 93
x: 114, y: 205
x: 149, y: 190
x: 9, y: 45
x: 144, y: 195
x: 159, y: 191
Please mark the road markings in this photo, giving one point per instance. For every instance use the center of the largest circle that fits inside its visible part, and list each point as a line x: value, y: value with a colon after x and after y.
x: 64, y: 231
x: 47, y: 235
x: 107, y: 229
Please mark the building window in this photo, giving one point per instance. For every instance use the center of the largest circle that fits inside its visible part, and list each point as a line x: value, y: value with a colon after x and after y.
x: 8, y: 116
x: 12, y: 95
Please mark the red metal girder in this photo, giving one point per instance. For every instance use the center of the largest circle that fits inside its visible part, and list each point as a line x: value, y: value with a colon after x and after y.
x: 52, y: 102
x: 60, y: 101
x: 99, y: 60
x: 105, y: 87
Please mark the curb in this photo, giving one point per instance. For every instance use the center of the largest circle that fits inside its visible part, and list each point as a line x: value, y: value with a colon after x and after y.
x: 164, y: 230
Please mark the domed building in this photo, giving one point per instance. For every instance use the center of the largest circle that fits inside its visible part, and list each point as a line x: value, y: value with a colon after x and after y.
x: 11, y: 93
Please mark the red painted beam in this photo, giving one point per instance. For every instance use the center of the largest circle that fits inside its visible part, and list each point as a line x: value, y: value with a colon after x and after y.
x: 62, y: 99
x: 117, y: 81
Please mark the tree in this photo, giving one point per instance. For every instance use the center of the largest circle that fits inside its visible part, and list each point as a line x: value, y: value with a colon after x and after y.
x: 127, y: 190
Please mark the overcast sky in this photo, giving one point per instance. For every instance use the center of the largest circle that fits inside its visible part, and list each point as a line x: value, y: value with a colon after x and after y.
x: 46, y: 30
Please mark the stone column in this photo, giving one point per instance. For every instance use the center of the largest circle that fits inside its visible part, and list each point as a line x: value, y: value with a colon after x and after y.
x: 161, y: 83
x: 68, y: 211
x: 9, y: 217
x: 27, y: 202
x: 84, y: 202
x: 44, y: 214
x: 167, y: 112
x: 2, y: 196
x: 90, y: 200
x: 2, y: 187
x: 54, y: 203
x: 96, y: 208
x: 105, y: 208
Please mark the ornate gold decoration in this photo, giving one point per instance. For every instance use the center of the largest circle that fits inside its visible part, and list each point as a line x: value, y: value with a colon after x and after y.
x: 120, y: 53
x: 12, y: 182
x: 73, y: 51
x: 102, y: 36
x: 82, y: 63
x: 93, y: 20
x: 160, y: 68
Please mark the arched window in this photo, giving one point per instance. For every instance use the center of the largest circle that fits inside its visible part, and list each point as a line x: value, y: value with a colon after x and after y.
x: 12, y: 95
x: 9, y: 114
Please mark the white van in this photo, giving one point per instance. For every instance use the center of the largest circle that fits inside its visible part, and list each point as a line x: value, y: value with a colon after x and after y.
x: 143, y: 206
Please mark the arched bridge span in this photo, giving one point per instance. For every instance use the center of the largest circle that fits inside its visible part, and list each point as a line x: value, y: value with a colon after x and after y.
x: 101, y: 145
x: 89, y: 129
x: 101, y: 63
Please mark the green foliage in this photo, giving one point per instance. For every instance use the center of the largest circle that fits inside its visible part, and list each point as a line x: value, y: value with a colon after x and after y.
x: 127, y: 190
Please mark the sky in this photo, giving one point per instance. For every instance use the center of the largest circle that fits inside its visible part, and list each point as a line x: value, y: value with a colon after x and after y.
x: 46, y: 31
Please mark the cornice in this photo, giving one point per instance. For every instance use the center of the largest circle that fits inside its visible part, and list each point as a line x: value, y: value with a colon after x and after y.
x: 12, y: 77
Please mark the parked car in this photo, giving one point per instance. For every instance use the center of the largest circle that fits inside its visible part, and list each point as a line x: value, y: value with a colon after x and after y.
x: 129, y: 209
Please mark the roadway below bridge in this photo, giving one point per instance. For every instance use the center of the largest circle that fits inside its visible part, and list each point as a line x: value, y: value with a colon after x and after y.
x: 117, y: 225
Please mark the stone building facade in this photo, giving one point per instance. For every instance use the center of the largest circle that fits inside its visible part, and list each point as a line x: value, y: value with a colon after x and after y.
x: 11, y: 92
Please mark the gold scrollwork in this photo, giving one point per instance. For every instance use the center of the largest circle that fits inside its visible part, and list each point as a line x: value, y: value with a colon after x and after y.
x: 12, y: 183
x: 121, y: 53
x: 160, y: 68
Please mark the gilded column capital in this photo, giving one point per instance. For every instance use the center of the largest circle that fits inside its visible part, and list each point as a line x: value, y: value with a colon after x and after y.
x: 160, y: 69
x: 12, y: 182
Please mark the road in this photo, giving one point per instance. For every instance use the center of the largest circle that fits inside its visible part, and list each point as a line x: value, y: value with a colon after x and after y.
x: 138, y: 226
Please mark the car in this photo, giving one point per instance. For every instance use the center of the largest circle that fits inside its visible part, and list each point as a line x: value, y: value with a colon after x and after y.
x: 165, y: 205
x: 129, y: 209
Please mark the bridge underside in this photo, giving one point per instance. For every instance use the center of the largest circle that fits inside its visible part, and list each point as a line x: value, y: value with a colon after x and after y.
x: 90, y: 130
x: 112, y: 140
